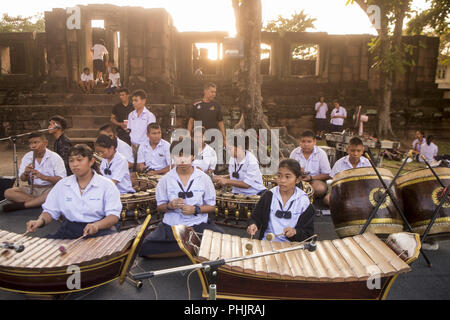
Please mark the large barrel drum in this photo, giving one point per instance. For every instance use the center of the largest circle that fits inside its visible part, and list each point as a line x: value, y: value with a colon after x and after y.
x: 421, y: 193
x: 354, y: 194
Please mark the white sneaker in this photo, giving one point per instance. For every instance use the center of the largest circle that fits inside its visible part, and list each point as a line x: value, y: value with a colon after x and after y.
x: 433, y: 246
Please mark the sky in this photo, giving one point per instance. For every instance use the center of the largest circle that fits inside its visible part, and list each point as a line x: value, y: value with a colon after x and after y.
x: 333, y: 16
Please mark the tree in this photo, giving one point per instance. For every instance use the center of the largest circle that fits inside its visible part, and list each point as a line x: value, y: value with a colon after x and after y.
x: 390, y: 56
x: 248, y: 15
x: 22, y: 24
x: 434, y: 22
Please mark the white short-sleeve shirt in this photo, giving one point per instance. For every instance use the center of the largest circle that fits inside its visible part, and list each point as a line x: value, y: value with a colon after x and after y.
x: 87, y: 77
x: 321, y: 110
x: 125, y: 150
x: 138, y: 125
x: 297, y: 204
x: 249, y: 173
x: 344, y: 164
x: 316, y: 164
x: 202, y: 190
x: 338, y: 112
x: 206, y: 159
x: 429, y: 151
x: 157, y: 158
x: 51, y: 165
x: 100, y: 199
x: 119, y: 172
x: 99, y: 51
x: 417, y: 144
x: 115, y: 79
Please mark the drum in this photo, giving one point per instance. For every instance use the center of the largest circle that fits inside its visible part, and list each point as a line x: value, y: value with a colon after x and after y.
x: 421, y: 193
x: 354, y: 195
x: 136, y: 207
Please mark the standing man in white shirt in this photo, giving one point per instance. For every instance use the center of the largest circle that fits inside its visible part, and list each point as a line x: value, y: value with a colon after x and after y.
x: 313, y: 162
x: 48, y: 168
x: 154, y: 156
x: 338, y: 115
x: 98, y: 51
x: 321, y: 109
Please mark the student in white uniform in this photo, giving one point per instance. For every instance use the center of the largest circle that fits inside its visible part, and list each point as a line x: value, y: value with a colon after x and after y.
x: 338, y: 115
x: 206, y: 158
x: 114, y: 166
x: 354, y: 159
x: 139, y: 119
x: 284, y: 210
x: 429, y: 150
x: 314, y: 163
x: 89, y: 203
x: 86, y: 81
x: 153, y: 157
x: 321, y: 109
x: 122, y: 147
x: 244, y: 173
x: 185, y: 195
x: 48, y: 170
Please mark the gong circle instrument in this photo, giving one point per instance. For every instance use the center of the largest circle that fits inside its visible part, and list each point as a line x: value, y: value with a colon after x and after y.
x: 137, y: 206
x: 421, y: 194
x: 143, y: 182
x: 41, y: 269
x: 336, y: 269
x: 354, y: 194
x: 234, y: 209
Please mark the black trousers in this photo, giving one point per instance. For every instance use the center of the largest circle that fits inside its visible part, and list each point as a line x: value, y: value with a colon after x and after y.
x: 161, y: 240
x: 74, y: 230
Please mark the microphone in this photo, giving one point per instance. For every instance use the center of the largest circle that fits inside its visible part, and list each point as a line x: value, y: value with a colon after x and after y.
x: 312, y: 245
x: 10, y: 245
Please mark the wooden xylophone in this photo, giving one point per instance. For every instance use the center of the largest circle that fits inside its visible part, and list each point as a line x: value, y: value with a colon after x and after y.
x: 42, y: 269
x: 337, y: 269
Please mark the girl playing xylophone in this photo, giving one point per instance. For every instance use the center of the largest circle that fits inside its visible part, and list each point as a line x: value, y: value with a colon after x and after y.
x: 185, y: 195
x: 89, y: 202
x: 284, y: 210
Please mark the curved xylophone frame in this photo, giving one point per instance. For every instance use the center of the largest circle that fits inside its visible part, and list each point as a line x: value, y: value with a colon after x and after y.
x: 234, y: 282
x: 92, y: 274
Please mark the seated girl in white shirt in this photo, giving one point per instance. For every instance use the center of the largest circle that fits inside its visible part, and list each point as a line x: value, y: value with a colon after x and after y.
x: 185, y: 195
x: 114, y: 81
x: 428, y: 149
x: 284, y: 210
x: 114, y: 166
x: 89, y: 202
x: 244, y: 174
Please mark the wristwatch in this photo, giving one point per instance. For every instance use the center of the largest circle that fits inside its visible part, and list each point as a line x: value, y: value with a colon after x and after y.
x: 197, y: 210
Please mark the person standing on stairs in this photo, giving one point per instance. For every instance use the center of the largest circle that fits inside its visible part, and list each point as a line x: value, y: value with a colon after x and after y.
x: 119, y: 115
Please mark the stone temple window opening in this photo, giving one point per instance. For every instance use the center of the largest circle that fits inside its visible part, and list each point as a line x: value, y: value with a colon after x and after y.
x: 206, y: 57
x: 266, y: 51
x: 98, y: 24
x: 304, y: 58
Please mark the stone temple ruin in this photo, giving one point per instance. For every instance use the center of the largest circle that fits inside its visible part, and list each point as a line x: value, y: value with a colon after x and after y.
x: 40, y: 71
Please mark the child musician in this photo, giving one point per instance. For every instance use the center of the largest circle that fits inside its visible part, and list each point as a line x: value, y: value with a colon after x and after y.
x: 42, y: 169
x: 114, y: 166
x: 185, y: 195
x: 284, y: 210
x: 206, y: 158
x: 89, y: 202
x: 244, y: 174
x: 153, y: 156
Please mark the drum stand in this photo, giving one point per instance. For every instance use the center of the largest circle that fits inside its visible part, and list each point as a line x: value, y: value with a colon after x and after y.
x: 394, y: 201
x: 445, y: 194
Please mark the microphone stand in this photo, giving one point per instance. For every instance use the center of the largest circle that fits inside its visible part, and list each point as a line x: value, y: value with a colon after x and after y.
x: 13, y: 139
x: 212, y: 266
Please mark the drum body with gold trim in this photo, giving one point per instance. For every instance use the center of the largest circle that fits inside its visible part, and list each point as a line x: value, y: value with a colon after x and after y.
x: 421, y: 194
x: 136, y: 207
x: 354, y: 195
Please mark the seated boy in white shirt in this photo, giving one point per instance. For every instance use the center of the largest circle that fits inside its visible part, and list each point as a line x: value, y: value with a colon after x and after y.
x: 429, y: 150
x: 206, y: 157
x: 314, y: 163
x: 122, y: 147
x: 153, y: 157
x: 89, y: 202
x: 185, y: 195
x: 354, y: 159
x: 113, y: 81
x: 87, y: 81
x: 42, y: 173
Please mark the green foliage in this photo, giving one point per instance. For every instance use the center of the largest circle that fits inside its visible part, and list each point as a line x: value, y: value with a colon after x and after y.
x: 22, y: 24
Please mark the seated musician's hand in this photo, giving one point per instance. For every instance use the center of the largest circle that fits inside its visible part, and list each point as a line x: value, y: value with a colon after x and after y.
x: 289, y: 232
x: 252, y: 229
x: 188, y: 209
x: 37, y: 174
x: 176, y: 203
x: 28, y: 169
x: 32, y: 225
x: 90, y: 229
